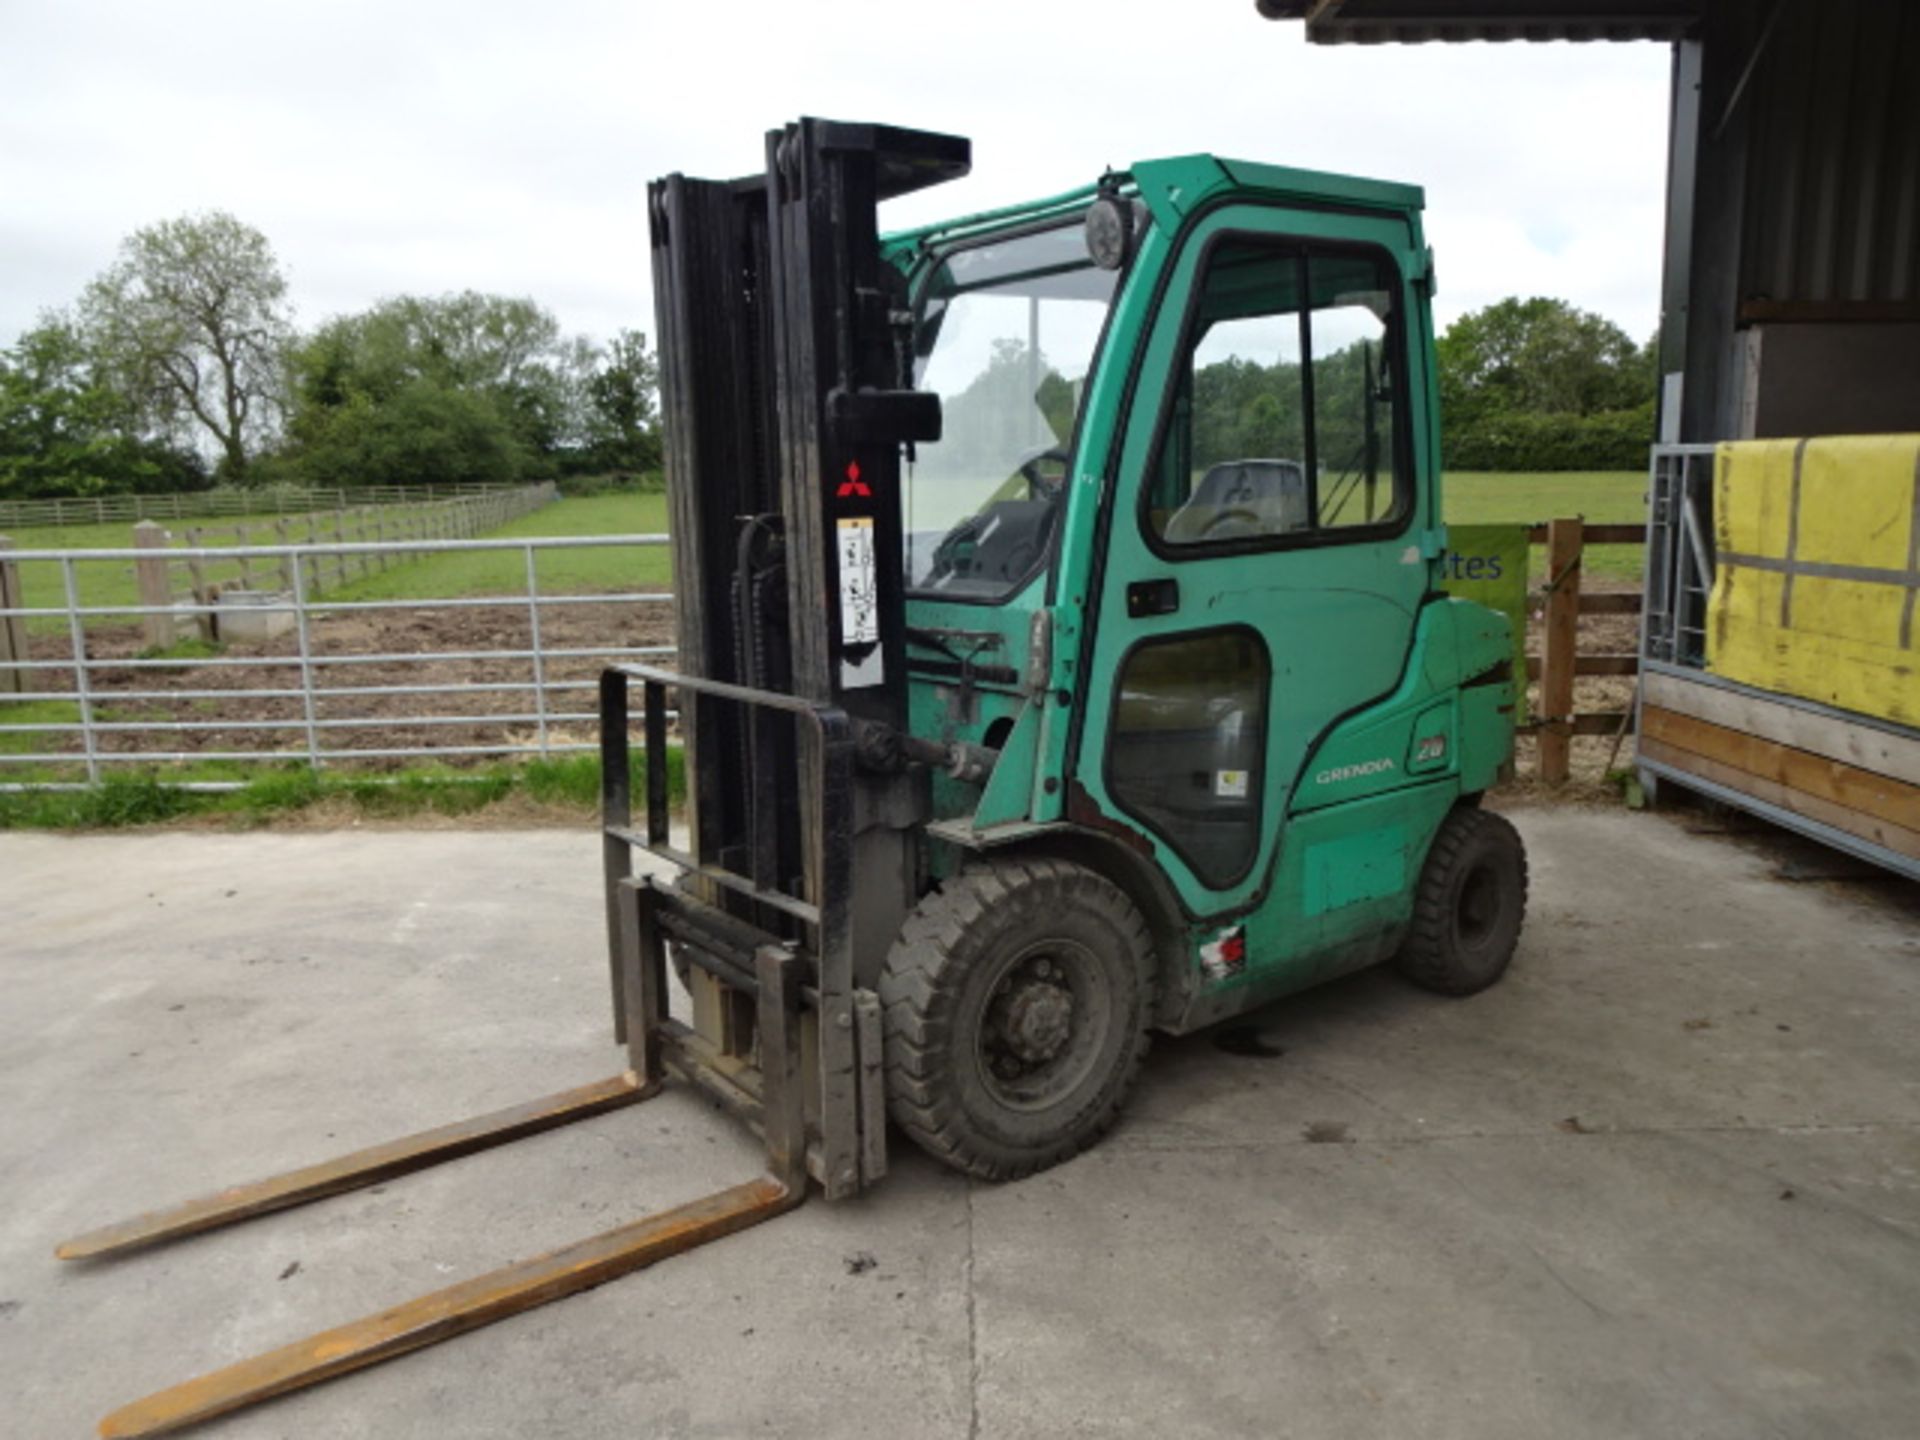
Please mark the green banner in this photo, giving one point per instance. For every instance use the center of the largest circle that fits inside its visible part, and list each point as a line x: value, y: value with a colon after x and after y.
x: 1488, y: 564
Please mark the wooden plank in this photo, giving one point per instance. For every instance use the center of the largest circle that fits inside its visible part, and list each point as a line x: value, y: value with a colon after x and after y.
x: 1606, y: 665
x: 1628, y: 534
x: 1869, y: 747
x: 1562, y: 642
x: 1592, y: 665
x: 1610, y: 602
x: 359, y: 1169
x: 1896, y: 838
x: 203, y: 594
x: 1834, y: 781
x: 454, y: 1310
x: 1591, y: 722
x: 13, y: 628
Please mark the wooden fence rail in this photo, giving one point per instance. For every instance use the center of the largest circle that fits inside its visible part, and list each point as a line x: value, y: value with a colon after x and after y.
x: 1555, y: 721
x: 460, y: 518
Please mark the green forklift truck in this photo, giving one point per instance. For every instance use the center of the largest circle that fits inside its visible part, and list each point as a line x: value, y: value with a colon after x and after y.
x: 1063, y: 658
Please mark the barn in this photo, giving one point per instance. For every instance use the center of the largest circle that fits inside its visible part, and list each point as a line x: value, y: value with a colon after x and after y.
x: 1780, y: 659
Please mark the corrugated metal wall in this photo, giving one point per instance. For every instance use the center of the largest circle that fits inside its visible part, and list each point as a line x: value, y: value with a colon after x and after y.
x: 1832, y: 209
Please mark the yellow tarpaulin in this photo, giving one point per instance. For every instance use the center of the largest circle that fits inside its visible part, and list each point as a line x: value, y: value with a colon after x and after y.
x: 1817, y: 571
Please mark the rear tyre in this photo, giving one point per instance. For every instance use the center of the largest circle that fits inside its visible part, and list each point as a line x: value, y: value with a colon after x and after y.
x: 1017, y: 1002
x: 1470, y: 905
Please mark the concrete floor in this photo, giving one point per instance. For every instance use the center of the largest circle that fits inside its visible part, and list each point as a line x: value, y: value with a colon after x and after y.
x: 1664, y: 1181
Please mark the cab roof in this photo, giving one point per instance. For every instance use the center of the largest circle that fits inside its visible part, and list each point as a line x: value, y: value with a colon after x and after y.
x: 1174, y: 187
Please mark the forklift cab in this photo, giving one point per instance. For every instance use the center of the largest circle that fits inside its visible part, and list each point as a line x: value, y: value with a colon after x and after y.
x: 1203, y: 477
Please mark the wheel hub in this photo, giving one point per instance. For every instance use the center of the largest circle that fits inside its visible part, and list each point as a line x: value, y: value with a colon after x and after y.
x: 1039, y: 1020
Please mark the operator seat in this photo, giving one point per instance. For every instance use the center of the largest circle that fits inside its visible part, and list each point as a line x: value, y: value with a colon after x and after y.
x: 1240, y: 498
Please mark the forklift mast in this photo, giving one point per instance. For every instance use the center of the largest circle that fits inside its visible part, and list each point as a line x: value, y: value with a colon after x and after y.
x: 786, y: 367
x: 786, y: 382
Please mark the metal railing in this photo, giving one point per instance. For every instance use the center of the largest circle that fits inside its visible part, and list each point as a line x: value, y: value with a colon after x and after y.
x: 1679, y: 554
x: 535, y: 727
x: 197, y: 504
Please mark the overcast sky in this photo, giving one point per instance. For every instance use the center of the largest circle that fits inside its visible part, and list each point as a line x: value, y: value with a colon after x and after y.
x: 407, y: 147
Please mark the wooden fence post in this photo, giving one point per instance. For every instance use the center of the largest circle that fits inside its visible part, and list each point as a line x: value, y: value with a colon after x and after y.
x: 203, y: 593
x: 13, y: 628
x: 243, y: 533
x: 155, y: 584
x: 1561, y: 650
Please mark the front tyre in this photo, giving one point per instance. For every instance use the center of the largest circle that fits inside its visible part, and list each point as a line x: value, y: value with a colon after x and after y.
x: 1469, y: 907
x: 1017, y: 1001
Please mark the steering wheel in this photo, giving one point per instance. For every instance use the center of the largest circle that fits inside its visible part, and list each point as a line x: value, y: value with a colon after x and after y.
x: 1042, y: 487
x: 1221, y: 518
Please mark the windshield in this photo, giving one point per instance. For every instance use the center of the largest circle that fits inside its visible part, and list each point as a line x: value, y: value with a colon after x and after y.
x: 1005, y: 335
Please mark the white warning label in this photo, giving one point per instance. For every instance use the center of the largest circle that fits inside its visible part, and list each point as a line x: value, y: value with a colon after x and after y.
x: 859, y: 604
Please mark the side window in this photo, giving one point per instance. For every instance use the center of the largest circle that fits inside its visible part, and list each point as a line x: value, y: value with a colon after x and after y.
x: 1353, y: 393
x: 1187, y: 745
x: 1283, y: 415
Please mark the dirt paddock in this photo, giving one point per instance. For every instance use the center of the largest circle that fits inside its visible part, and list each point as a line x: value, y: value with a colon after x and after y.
x: 362, y: 632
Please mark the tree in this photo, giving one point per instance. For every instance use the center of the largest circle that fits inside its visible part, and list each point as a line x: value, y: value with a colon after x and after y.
x: 1539, y: 384
x: 466, y: 386
x: 1538, y: 355
x: 190, y: 326
x: 64, y: 432
x: 418, y: 434
x: 621, y: 387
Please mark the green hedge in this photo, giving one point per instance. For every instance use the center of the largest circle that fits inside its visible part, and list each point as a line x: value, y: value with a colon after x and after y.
x: 1614, y: 440
x: 619, y: 482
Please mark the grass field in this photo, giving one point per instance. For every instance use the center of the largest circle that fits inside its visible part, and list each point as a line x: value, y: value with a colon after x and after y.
x: 100, y: 582
x: 1472, y: 498
x: 1477, y: 497
x: 110, y: 582
x: 504, y: 572
x: 563, y: 788
x: 1599, y: 497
